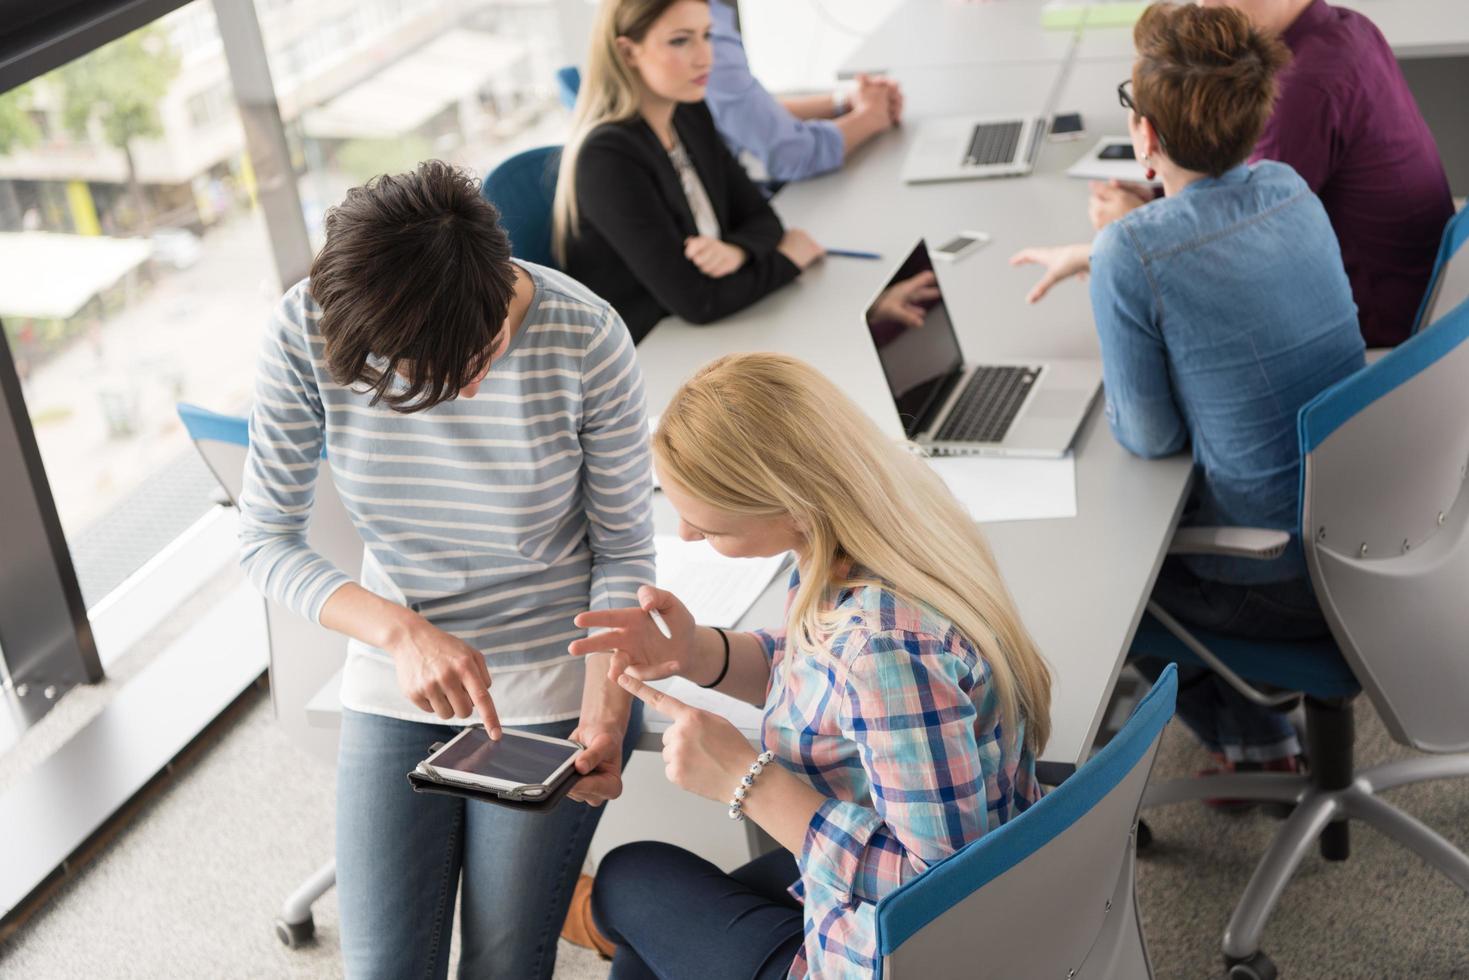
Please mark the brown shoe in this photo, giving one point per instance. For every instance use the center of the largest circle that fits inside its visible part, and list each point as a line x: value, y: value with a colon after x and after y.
x: 579, y: 927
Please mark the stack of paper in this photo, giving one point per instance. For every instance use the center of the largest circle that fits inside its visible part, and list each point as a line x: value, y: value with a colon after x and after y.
x: 999, y: 488
x: 717, y: 590
x: 746, y: 717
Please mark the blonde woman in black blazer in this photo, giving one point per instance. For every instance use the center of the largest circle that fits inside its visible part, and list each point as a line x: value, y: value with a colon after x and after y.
x: 650, y: 238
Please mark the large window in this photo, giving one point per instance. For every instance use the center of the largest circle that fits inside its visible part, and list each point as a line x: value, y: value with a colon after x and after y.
x: 138, y: 268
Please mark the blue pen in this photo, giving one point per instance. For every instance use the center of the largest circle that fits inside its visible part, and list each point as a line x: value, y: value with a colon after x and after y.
x: 847, y: 253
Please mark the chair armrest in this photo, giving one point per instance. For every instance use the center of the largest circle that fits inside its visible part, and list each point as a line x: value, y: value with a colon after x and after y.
x: 1235, y: 542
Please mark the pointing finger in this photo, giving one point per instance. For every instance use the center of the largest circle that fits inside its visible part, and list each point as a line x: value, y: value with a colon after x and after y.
x: 652, y: 697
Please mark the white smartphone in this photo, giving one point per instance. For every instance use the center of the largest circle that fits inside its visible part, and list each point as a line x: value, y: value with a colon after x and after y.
x: 521, y: 766
x: 962, y: 244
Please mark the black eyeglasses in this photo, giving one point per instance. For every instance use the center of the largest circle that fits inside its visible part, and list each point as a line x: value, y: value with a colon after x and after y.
x: 1124, y: 96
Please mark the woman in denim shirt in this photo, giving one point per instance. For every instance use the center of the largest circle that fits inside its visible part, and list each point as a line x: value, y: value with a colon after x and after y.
x: 1221, y: 309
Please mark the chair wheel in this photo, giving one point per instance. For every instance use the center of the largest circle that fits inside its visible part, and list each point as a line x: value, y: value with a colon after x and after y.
x: 294, y: 935
x: 1144, y: 835
x: 1257, y: 966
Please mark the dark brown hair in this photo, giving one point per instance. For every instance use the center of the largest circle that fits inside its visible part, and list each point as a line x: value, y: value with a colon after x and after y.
x: 1205, y: 79
x: 416, y: 269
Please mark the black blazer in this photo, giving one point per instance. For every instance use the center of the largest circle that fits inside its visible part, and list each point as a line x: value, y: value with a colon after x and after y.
x: 628, y: 246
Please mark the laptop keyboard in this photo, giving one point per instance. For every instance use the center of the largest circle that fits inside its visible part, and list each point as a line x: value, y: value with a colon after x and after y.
x: 988, y: 404
x: 993, y: 143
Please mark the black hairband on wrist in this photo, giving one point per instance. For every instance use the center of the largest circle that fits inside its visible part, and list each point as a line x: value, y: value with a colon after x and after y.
x: 725, y: 669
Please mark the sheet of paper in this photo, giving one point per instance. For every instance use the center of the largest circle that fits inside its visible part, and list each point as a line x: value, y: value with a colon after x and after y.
x: 998, y: 488
x: 746, y: 717
x: 717, y: 590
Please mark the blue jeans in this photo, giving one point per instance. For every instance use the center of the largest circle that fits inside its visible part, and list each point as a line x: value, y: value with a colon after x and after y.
x: 673, y: 915
x: 401, y: 856
x: 1223, y: 719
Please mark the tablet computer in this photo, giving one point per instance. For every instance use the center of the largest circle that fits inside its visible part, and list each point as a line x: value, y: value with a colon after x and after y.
x: 520, y: 766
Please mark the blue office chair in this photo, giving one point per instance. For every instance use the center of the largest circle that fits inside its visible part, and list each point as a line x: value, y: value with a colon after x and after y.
x: 303, y: 655
x: 1056, y: 881
x: 1385, y: 516
x: 523, y: 189
x: 1449, y: 284
x: 568, y: 84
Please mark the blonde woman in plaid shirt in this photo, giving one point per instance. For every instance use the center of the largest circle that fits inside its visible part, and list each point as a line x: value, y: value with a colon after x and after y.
x: 905, y: 703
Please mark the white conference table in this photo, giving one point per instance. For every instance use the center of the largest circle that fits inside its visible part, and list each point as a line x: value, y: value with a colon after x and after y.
x: 968, y: 32
x: 943, y: 33
x: 1080, y: 583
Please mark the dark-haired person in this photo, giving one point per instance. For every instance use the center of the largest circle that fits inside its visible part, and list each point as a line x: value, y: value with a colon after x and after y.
x: 1348, y: 124
x: 1221, y: 309
x: 652, y: 211
x: 484, y: 424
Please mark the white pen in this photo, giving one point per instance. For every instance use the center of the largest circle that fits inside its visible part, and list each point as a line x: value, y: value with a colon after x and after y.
x: 661, y: 623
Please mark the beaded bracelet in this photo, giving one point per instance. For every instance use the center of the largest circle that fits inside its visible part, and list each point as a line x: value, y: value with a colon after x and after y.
x: 736, y: 805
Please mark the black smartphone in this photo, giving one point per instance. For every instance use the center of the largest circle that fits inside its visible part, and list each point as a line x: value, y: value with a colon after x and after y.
x: 1117, y: 151
x: 1067, y: 126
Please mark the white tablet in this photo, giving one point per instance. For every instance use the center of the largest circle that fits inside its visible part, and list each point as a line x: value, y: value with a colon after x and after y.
x: 1111, y: 159
x: 521, y: 766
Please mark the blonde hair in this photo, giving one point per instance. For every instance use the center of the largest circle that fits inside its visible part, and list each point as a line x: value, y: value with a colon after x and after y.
x: 767, y: 435
x: 610, y: 92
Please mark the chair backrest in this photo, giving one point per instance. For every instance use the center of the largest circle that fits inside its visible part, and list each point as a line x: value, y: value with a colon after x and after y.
x: 1051, y: 891
x: 568, y: 84
x: 1385, y: 521
x: 523, y: 188
x: 303, y: 655
x: 1449, y: 285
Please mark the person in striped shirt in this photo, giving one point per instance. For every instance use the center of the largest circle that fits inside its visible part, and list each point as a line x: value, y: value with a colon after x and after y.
x: 904, y: 701
x: 484, y: 423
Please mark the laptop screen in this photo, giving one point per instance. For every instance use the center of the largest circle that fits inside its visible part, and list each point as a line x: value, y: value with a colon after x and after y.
x: 915, y: 339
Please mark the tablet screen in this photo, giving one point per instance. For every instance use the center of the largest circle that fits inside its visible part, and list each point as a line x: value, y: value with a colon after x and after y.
x: 515, y: 758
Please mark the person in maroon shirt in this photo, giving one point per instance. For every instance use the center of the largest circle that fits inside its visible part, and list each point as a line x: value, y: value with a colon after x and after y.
x: 1346, y: 122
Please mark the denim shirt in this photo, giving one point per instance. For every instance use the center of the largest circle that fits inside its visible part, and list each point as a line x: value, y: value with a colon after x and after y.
x: 1221, y: 311
x: 753, y: 122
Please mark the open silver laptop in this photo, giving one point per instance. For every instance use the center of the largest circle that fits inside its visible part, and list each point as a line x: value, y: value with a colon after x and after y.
x: 996, y: 407
x: 964, y: 147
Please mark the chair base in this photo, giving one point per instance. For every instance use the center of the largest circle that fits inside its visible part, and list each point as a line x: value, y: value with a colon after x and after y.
x: 295, y: 926
x: 1318, y: 811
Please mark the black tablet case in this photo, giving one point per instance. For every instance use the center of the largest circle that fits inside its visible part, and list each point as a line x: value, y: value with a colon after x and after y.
x: 422, y: 783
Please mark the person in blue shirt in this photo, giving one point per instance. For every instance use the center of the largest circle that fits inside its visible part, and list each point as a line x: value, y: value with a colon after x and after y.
x: 1221, y: 310
x: 795, y: 137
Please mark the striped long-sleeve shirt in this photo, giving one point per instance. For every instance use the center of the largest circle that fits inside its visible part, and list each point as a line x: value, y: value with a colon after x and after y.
x: 899, y: 726
x: 498, y: 517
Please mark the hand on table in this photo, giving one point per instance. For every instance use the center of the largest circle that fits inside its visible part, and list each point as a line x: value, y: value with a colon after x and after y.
x: 800, y: 248
x: 636, y: 645
x: 713, y: 257
x: 702, y: 752
x: 879, y: 96
x: 1111, y: 199
x: 443, y: 674
x: 1060, y: 262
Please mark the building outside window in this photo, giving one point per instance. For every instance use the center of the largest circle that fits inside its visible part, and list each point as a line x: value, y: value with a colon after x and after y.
x: 139, y: 272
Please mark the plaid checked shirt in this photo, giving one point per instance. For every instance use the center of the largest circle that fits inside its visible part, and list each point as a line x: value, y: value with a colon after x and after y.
x: 899, y: 727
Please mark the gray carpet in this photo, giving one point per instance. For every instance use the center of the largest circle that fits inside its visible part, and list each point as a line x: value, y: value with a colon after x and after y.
x: 191, y: 887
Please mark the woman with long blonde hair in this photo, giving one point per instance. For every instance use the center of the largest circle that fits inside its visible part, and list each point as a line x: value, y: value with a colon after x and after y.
x: 652, y: 212
x: 904, y: 700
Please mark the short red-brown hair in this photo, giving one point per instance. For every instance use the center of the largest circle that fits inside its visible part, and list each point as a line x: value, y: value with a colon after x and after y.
x: 1205, y: 78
